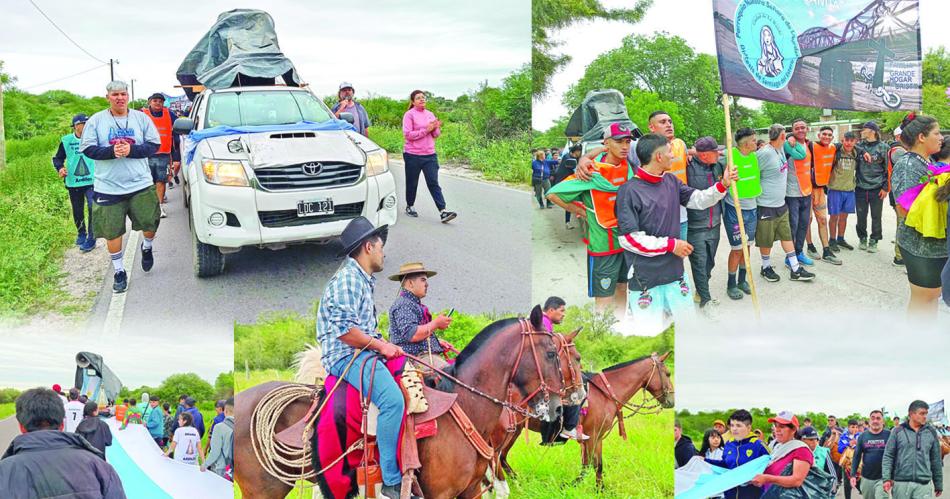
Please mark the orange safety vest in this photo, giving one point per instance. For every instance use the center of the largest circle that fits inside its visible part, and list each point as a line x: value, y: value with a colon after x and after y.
x: 824, y: 159
x: 803, y: 171
x: 120, y: 411
x: 678, y: 147
x: 164, y: 125
x: 605, y: 202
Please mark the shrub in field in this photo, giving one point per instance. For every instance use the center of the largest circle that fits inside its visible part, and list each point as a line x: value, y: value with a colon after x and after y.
x: 190, y: 383
x: 272, y: 342
x: 503, y: 160
x: 224, y: 386
x: 8, y: 395
x: 389, y: 138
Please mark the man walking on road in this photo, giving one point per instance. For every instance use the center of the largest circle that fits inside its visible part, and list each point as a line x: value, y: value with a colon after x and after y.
x: 74, y: 411
x: 868, y: 456
x: 76, y: 170
x: 221, y: 448
x: 912, y: 457
x: 871, y: 186
x: 121, y: 140
x: 168, y: 155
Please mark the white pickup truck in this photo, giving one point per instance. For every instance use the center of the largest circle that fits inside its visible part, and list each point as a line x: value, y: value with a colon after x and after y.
x: 271, y: 189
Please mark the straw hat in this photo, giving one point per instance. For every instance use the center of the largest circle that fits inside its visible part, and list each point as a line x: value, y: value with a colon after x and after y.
x: 411, y: 268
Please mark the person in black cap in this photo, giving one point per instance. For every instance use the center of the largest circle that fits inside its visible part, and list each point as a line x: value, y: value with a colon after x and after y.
x: 347, y: 326
x: 166, y: 162
x: 76, y: 170
x: 702, y: 172
x: 871, y: 185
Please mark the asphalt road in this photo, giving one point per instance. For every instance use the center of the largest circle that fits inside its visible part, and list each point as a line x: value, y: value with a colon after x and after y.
x: 483, y: 259
x: 855, y: 494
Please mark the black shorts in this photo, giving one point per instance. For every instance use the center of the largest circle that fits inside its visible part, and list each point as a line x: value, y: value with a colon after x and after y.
x: 922, y: 271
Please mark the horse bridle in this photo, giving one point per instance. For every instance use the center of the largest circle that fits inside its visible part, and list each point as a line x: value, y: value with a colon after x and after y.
x: 645, y: 405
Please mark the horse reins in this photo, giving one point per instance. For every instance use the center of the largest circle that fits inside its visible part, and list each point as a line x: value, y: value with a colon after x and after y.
x: 645, y: 407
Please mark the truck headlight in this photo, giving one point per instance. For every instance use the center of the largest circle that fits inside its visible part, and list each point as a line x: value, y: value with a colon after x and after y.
x: 225, y: 173
x: 377, y: 163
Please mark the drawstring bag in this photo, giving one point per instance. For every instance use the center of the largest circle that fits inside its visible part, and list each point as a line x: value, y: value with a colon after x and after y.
x: 818, y: 484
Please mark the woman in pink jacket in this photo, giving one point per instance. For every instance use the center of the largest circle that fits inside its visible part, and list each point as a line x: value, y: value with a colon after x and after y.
x: 420, y: 128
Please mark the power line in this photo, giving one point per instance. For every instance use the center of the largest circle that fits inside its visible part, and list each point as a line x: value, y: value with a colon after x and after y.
x: 64, y: 33
x: 67, y: 77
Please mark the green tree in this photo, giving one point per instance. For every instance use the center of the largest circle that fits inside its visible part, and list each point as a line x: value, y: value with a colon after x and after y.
x: 641, y: 103
x: 936, y: 67
x: 785, y: 113
x: 224, y: 386
x: 189, y: 383
x: 549, y: 16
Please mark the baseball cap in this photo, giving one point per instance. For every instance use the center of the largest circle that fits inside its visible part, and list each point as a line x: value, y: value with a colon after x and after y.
x: 157, y: 95
x: 706, y: 144
x: 785, y: 417
x: 897, y: 131
x: 809, y: 432
x: 345, y: 84
x: 873, y: 126
x: 617, y: 131
x: 80, y: 118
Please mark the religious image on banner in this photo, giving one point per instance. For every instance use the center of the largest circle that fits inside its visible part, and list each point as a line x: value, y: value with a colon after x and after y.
x: 839, y: 54
x: 937, y: 413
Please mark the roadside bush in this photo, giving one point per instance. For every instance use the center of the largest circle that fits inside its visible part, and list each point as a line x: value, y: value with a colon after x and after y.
x: 190, y: 383
x: 503, y: 160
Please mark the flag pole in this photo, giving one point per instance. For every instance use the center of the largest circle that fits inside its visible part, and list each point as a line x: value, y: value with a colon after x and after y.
x: 735, y: 199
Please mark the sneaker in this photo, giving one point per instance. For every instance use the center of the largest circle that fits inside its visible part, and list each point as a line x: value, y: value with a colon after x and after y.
x: 735, y: 293
x: 802, y: 275
x: 833, y: 246
x: 899, y: 262
x: 768, y: 273
x: 712, y: 301
x: 830, y: 257
x: 410, y: 211
x: 744, y: 286
x: 841, y: 243
x: 88, y: 245
x: 805, y: 260
x: 812, y: 253
x: 573, y: 435
x: 80, y: 238
x: 549, y: 206
x: 177, y: 180
x: 568, y: 226
x: 163, y: 215
x: 147, y: 259
x: 863, y: 245
x: 169, y: 186
x: 872, y: 246
x: 120, y: 282
x: 447, y: 216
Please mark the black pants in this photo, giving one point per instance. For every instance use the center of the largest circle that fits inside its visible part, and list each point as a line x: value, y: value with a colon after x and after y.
x: 799, y: 210
x: 703, y: 258
x: 428, y: 165
x: 80, y: 198
x: 868, y: 201
x: 572, y: 415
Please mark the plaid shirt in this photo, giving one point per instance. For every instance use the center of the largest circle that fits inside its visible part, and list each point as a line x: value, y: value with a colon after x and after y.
x: 405, y: 316
x: 347, y: 303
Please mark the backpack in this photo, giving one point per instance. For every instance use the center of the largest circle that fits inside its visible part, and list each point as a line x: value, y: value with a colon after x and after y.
x: 818, y: 484
x: 229, y: 452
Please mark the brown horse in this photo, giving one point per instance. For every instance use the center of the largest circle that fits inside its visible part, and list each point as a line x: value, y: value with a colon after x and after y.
x: 492, y: 361
x: 605, y: 403
x: 944, y: 446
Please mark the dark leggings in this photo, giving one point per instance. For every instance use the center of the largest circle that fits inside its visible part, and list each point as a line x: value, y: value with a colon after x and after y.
x: 868, y: 201
x: 80, y: 198
x: 428, y: 165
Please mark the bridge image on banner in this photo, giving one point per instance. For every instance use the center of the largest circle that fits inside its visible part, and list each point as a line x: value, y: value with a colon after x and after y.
x: 862, y: 55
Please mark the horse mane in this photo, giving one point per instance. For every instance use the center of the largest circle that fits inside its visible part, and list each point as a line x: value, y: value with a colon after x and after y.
x: 469, y: 351
x: 626, y: 363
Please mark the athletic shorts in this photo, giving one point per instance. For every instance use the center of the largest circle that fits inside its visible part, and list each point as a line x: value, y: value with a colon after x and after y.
x: 604, y: 273
x: 772, y: 229
x: 840, y: 202
x: 819, y: 199
x: 141, y: 208
x: 731, y: 223
x: 922, y: 271
x: 159, y: 166
x: 667, y: 303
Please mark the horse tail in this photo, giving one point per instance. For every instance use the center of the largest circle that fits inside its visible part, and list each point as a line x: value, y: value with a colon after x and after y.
x: 308, y: 368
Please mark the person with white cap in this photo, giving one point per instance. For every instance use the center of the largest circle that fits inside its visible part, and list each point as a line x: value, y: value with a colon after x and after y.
x: 346, y: 104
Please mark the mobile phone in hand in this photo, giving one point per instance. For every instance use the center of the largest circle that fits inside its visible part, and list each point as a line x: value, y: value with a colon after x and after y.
x: 452, y: 311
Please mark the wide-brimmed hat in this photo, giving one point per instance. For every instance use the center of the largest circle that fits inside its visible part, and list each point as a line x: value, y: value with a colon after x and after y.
x: 785, y: 417
x: 411, y: 268
x: 357, y: 231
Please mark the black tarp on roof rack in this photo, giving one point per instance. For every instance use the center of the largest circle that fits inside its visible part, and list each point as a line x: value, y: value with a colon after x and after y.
x: 111, y: 385
x: 239, y: 50
x: 599, y: 109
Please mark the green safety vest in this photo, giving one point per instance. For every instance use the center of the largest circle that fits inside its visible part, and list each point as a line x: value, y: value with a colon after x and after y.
x: 79, y: 168
x: 749, y: 185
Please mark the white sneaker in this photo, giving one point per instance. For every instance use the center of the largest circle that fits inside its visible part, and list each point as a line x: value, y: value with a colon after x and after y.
x: 572, y: 435
x: 164, y: 215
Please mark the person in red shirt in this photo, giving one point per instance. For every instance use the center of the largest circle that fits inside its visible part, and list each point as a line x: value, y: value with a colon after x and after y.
x: 786, y: 450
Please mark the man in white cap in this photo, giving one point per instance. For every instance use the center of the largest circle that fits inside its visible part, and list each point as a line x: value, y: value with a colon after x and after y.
x: 346, y: 104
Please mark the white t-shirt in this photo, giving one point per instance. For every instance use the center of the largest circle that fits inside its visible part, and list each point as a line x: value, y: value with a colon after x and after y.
x: 186, y: 441
x: 74, y: 410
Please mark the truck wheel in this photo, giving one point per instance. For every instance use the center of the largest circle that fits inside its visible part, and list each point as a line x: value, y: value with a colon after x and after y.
x: 209, y: 261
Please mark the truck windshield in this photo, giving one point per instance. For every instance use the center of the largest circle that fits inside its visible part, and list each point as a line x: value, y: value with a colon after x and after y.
x: 264, y: 108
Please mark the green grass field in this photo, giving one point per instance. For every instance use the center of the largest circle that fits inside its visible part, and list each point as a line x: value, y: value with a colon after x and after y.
x: 638, y: 467
x: 6, y: 410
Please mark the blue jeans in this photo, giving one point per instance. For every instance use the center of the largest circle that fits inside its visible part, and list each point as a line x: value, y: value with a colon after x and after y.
x: 388, y: 397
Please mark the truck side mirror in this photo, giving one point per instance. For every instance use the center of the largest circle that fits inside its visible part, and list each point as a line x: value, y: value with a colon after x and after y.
x: 347, y: 117
x: 183, y: 126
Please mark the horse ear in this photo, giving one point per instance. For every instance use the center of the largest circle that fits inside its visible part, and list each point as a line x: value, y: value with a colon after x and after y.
x: 573, y: 334
x: 535, y: 317
x: 664, y: 356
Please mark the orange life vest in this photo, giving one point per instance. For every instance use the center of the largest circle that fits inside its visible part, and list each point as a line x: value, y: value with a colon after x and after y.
x: 678, y: 147
x: 120, y: 411
x: 824, y: 159
x: 605, y: 202
x: 803, y: 172
x: 164, y: 125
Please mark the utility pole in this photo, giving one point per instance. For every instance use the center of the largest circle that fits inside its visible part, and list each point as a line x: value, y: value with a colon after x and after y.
x: 133, y: 89
x: 111, y: 70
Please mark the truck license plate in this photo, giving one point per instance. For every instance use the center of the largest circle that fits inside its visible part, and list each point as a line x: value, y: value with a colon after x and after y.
x: 314, y: 208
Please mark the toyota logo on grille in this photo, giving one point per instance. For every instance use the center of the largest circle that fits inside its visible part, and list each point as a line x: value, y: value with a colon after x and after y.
x: 312, y: 168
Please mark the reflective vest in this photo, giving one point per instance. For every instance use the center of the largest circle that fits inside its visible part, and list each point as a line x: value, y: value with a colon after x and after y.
x: 79, y: 168
x: 678, y: 148
x: 120, y: 411
x: 824, y: 159
x: 803, y: 171
x: 164, y: 125
x: 749, y: 184
x: 605, y: 202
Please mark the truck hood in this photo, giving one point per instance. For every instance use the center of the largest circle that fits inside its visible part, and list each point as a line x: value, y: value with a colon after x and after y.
x: 269, y: 149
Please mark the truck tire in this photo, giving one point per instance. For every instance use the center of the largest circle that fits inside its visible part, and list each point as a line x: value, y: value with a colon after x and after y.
x: 209, y: 261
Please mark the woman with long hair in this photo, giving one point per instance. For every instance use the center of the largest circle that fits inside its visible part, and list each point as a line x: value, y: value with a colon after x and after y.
x: 770, y: 64
x: 923, y: 245
x: 420, y: 128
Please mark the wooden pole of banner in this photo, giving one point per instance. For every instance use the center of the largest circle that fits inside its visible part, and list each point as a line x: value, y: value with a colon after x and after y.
x: 735, y: 199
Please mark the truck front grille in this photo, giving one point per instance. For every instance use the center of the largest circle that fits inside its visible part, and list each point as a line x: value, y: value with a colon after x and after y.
x: 279, y: 178
x: 289, y: 218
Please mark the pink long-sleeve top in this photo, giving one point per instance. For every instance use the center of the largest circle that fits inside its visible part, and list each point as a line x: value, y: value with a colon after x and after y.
x: 418, y: 140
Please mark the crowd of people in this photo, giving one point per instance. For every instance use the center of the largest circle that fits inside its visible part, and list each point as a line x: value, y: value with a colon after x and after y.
x: 875, y: 456
x: 639, y: 230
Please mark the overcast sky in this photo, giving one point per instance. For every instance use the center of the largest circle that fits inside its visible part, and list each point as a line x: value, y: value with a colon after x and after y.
x: 844, y: 363
x: 42, y: 360
x: 386, y: 47
x: 688, y: 19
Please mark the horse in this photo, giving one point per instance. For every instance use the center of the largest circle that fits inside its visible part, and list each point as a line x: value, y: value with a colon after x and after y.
x: 612, y: 389
x: 450, y: 461
x: 944, y: 446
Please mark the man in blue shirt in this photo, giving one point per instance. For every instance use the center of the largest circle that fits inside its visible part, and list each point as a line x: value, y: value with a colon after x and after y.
x: 198, y: 421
